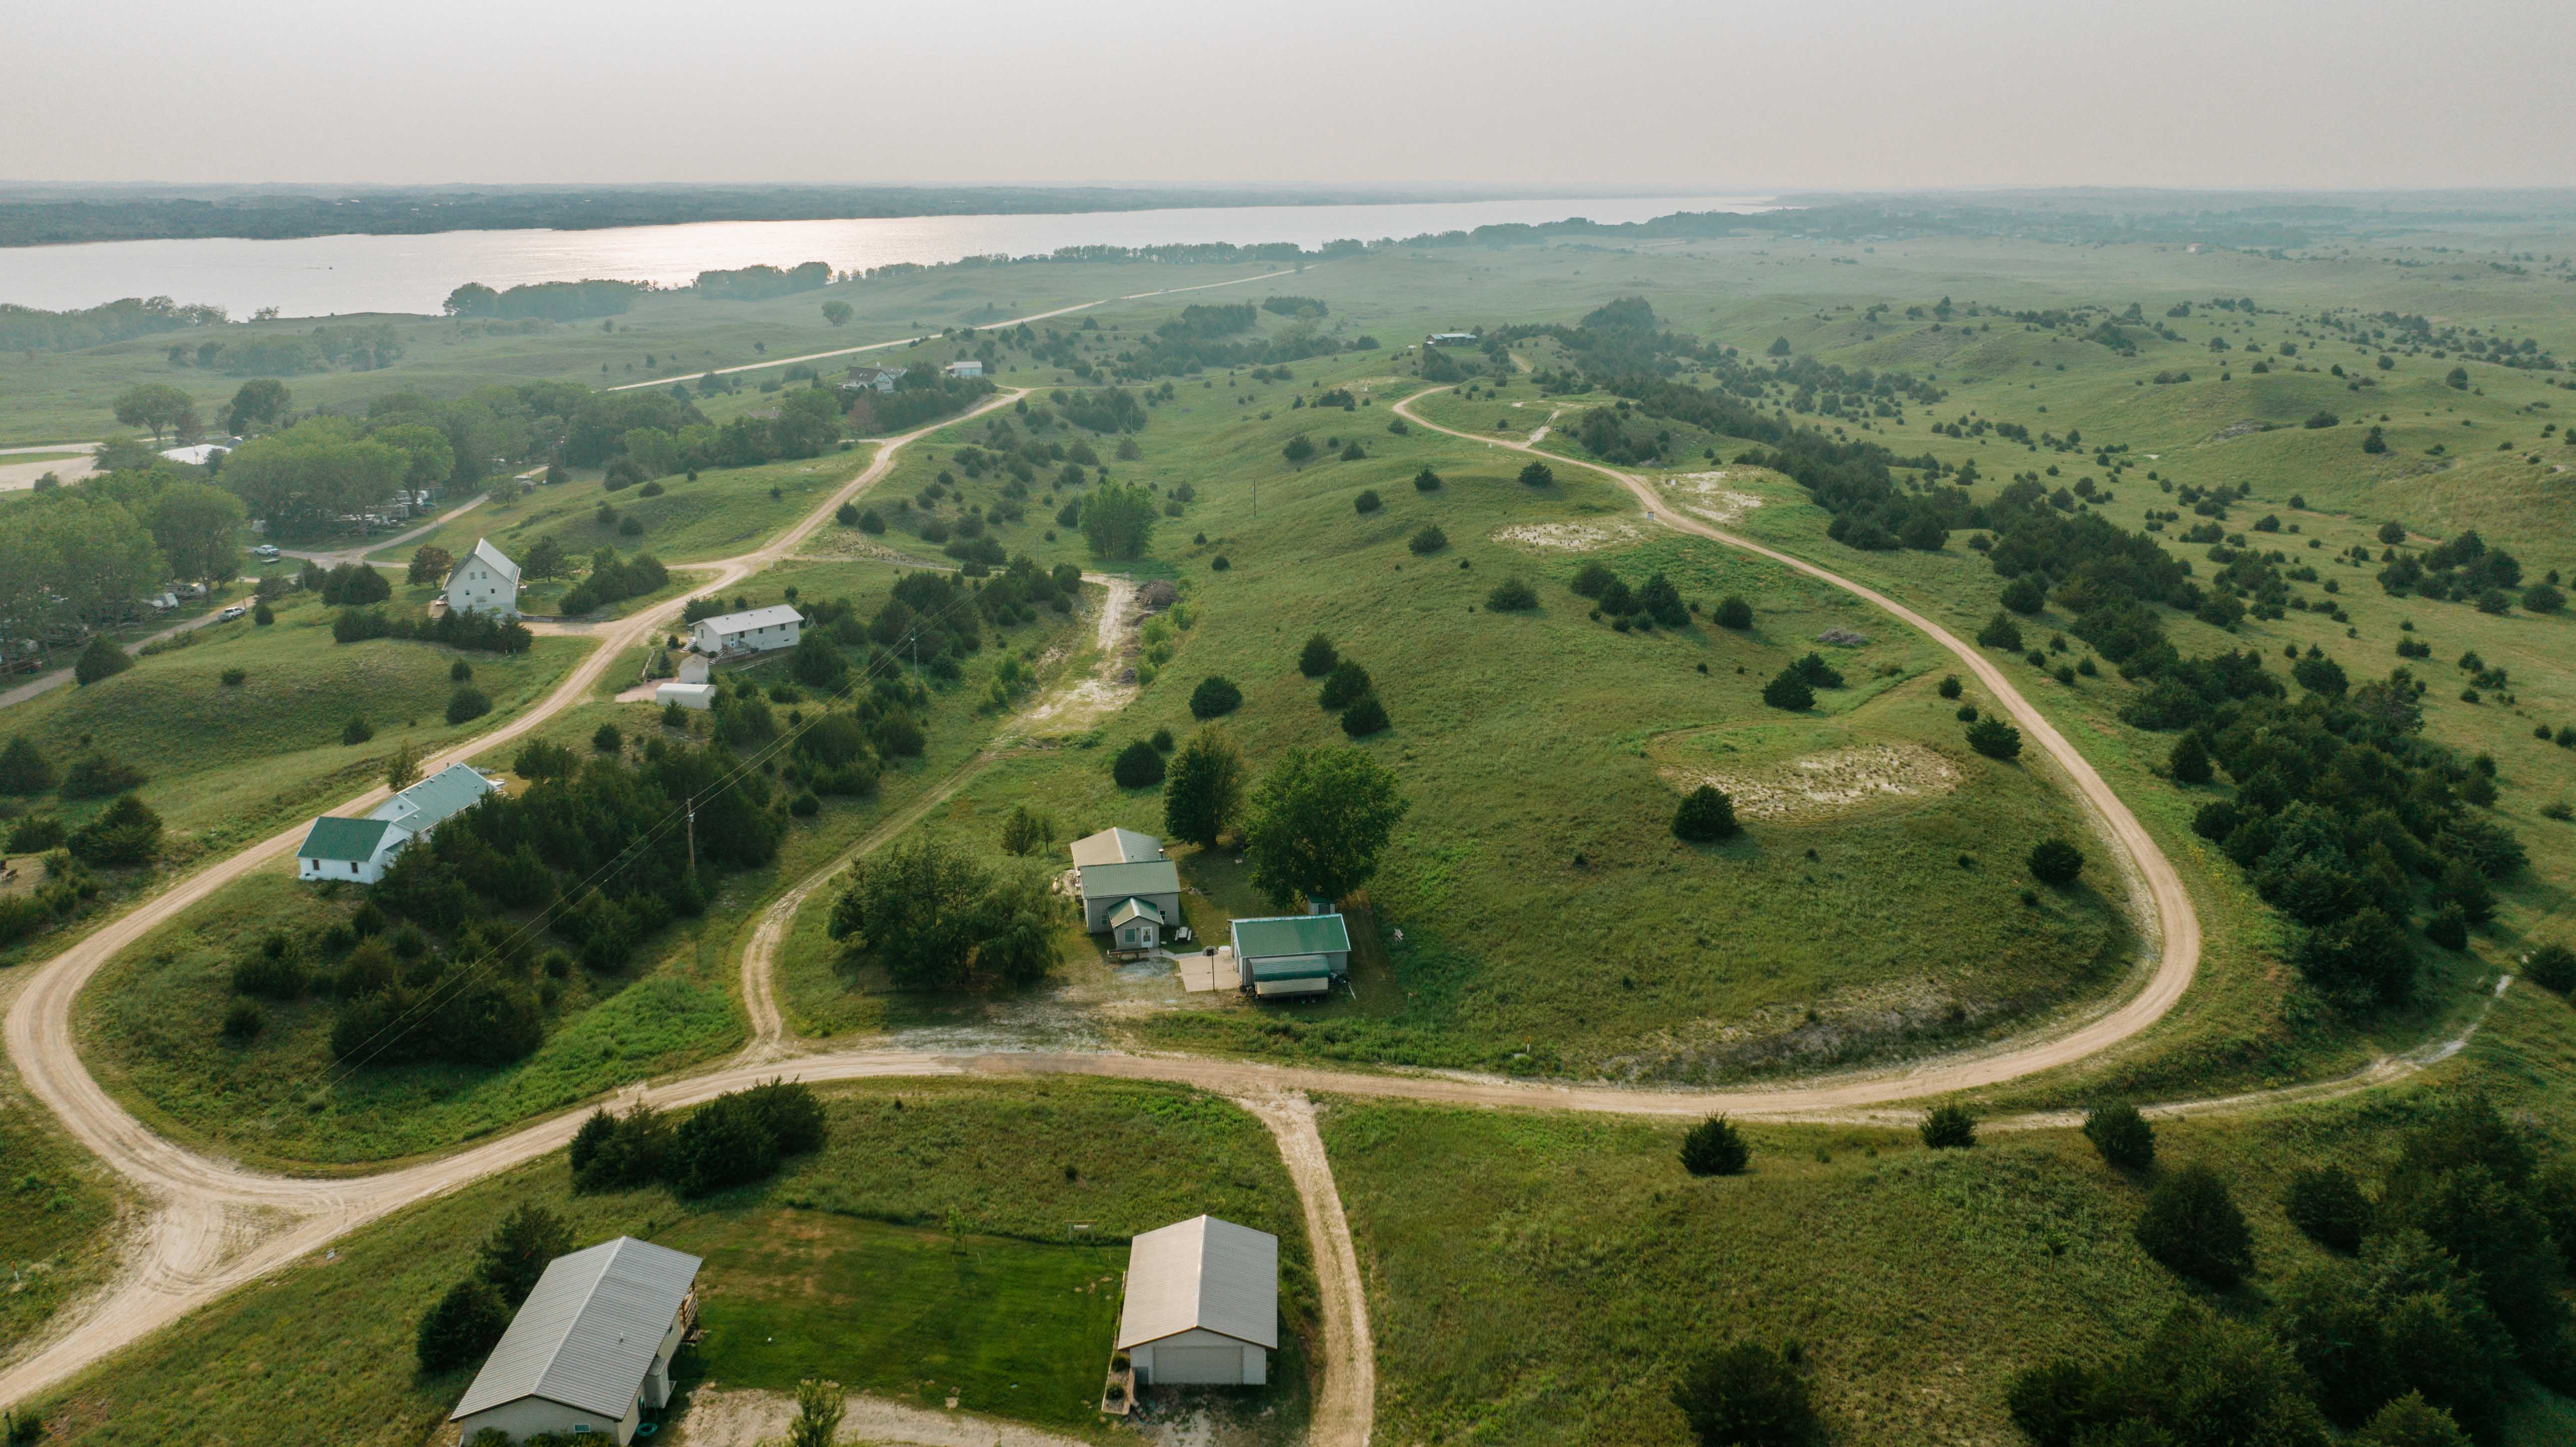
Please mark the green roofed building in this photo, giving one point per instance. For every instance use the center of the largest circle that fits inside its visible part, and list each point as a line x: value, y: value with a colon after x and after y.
x: 360, y: 850
x: 1130, y: 891
x: 1297, y: 954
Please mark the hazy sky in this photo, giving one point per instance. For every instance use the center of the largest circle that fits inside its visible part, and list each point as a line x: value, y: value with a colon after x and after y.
x: 1696, y: 93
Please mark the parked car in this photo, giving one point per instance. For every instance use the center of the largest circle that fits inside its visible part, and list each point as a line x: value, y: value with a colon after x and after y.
x: 231, y: 613
x: 264, y: 550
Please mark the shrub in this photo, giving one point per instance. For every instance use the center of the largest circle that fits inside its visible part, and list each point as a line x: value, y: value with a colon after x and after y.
x: 2026, y: 594
x: 1949, y: 1128
x: 2189, y: 761
x: 1318, y: 657
x: 97, y: 776
x: 1715, y: 1147
x: 128, y: 832
x: 2327, y: 1206
x: 261, y: 615
x: 1817, y: 672
x: 2121, y: 1135
x: 1789, y: 691
x: 606, y: 739
x: 278, y: 976
x: 1706, y: 816
x: 1426, y: 480
x: 1427, y: 539
x: 1367, y: 502
x: 1994, y: 738
x: 2542, y: 598
x: 24, y: 769
x: 356, y: 731
x: 1747, y: 1395
x: 467, y: 703
x: 1347, y: 684
x: 36, y: 833
x: 1950, y: 685
x: 1512, y: 595
x: 1592, y: 580
x: 1734, y: 613
x: 1366, y: 717
x: 1137, y: 766
x: 1537, y: 475
x: 2410, y: 1421
x: 235, y: 677
x: 243, y: 1022
x: 2552, y: 966
x: 462, y: 1328
x: 1215, y: 697
x: 2191, y: 1224
x: 101, y: 659
x: 2054, y: 861
x: 2001, y: 632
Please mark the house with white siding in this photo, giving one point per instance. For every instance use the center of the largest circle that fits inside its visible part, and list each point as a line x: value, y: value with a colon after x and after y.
x: 590, y: 1350
x: 1202, y: 1306
x: 1129, y: 889
x: 360, y: 850
x: 755, y: 631
x: 484, y: 581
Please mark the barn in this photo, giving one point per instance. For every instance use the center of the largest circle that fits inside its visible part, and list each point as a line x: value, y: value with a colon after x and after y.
x: 1202, y: 1305
x: 590, y: 1350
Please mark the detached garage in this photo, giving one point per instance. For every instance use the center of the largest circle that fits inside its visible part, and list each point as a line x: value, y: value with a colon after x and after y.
x: 1202, y: 1305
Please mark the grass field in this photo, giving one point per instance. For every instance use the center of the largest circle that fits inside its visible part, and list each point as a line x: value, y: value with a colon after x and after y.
x: 1918, y: 1281
x: 149, y: 1024
x: 57, y: 1229
x: 852, y: 1250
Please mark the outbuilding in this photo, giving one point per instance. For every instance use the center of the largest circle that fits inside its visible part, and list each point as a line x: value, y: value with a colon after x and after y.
x: 1202, y: 1306
x: 966, y: 367
x: 1297, y: 954
x: 590, y: 1350
x: 755, y: 631
x: 1130, y: 890
x: 484, y: 581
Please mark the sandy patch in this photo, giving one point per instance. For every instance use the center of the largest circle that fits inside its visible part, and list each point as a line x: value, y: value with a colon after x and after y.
x: 1706, y: 494
x: 1568, y: 537
x: 720, y: 1418
x: 1821, y: 785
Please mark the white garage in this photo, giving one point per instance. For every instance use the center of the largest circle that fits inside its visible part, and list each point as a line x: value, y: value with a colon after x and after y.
x: 1202, y: 1305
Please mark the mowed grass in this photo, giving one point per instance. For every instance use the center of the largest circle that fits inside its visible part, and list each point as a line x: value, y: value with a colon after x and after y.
x: 149, y: 1025
x: 57, y: 1216
x: 1553, y: 1292
x: 1551, y: 921
x: 231, y: 763
x: 832, y: 1257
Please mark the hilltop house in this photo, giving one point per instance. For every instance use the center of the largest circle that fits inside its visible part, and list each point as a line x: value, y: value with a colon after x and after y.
x: 1202, y: 1305
x: 484, y: 581
x: 966, y: 367
x: 757, y: 631
x: 360, y: 850
x: 878, y: 379
x: 1129, y: 890
x: 1297, y: 954
x: 1451, y: 339
x: 590, y: 1350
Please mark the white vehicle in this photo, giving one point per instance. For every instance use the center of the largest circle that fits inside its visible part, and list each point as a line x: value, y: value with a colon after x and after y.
x: 231, y: 613
x: 264, y: 550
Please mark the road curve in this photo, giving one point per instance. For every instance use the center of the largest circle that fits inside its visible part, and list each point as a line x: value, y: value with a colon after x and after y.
x: 2177, y: 922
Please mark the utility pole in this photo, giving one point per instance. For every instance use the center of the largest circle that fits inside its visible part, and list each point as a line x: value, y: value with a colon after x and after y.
x: 693, y: 834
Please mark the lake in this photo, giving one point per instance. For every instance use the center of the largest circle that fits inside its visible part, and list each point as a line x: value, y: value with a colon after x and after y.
x: 325, y: 275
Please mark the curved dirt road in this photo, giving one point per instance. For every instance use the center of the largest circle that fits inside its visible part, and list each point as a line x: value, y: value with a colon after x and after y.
x: 2176, y: 924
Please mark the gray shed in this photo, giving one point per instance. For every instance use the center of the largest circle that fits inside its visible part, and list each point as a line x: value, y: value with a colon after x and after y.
x: 590, y: 1350
x: 1202, y: 1305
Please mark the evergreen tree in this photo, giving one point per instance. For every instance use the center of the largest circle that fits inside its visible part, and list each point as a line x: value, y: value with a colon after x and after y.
x: 24, y: 769
x: 2189, y: 761
x: 1715, y: 1147
x: 2192, y: 1225
x: 1706, y: 816
x: 1205, y: 795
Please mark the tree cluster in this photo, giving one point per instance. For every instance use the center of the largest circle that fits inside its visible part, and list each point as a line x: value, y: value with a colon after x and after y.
x: 935, y: 919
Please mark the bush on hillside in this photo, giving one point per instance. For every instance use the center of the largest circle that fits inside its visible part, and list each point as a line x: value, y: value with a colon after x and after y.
x: 2001, y: 632
x: 2552, y: 967
x: 1706, y: 815
x: 462, y: 1329
x: 1789, y: 690
x: 1950, y: 685
x: 243, y: 1023
x: 1367, y: 502
x: 1366, y: 717
x: 1318, y: 657
x: 1747, y: 1395
x: 1714, y: 1147
x: 1994, y: 738
x: 2121, y: 1135
x: 466, y: 704
x: 1734, y: 613
x: 2191, y: 1224
x: 24, y: 769
x: 2189, y: 761
x: 1138, y: 766
x: 2054, y: 861
x: 1592, y: 580
x: 1949, y: 1127
x: 1427, y: 539
x: 1426, y: 480
x: 2196, y: 1379
x: 1537, y: 475
x: 1215, y: 697
x: 36, y: 833
x: 96, y: 776
x: 1512, y: 595
x: 126, y: 833
x: 1347, y: 684
x: 101, y: 659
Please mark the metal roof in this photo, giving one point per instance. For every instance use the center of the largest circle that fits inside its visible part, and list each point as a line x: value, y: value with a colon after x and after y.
x: 1135, y: 909
x: 1116, y: 881
x: 1116, y: 846
x: 492, y: 557
x: 354, y: 840
x: 1291, y: 967
x: 432, y: 801
x: 769, y: 617
x: 1293, y: 934
x: 1202, y: 1273
x: 587, y: 1335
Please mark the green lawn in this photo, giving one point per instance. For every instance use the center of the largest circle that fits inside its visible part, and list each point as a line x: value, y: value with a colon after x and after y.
x: 57, y: 1216
x: 846, y: 1257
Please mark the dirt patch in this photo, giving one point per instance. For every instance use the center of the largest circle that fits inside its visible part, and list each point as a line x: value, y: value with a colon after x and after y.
x: 2240, y: 429
x: 1568, y: 537
x: 1819, y: 786
x: 1707, y: 495
x: 720, y: 1418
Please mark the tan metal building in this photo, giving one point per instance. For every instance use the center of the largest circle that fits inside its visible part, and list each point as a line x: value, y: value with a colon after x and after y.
x: 590, y: 1350
x: 1202, y: 1305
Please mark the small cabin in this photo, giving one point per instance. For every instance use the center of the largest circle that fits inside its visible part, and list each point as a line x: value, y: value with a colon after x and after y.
x: 1130, y: 890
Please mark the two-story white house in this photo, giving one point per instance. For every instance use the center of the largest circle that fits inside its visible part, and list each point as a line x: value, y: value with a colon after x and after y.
x: 484, y: 581
x: 756, y: 631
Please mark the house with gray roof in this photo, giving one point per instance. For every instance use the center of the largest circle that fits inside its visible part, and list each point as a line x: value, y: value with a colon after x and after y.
x: 1129, y: 890
x: 755, y: 630
x: 1202, y: 1307
x: 484, y: 581
x: 590, y: 1350
x: 360, y: 850
x: 1296, y: 954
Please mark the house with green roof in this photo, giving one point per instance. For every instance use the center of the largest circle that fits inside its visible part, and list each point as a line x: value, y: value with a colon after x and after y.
x: 1295, y: 954
x: 1129, y: 889
x: 360, y: 850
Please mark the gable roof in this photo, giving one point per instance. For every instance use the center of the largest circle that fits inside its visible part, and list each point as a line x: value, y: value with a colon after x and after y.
x: 352, y: 840
x: 1116, y: 881
x: 492, y: 557
x: 1116, y: 846
x: 1135, y: 909
x: 1202, y: 1273
x: 1294, y: 934
x: 769, y: 617
x: 589, y: 1332
x: 429, y: 803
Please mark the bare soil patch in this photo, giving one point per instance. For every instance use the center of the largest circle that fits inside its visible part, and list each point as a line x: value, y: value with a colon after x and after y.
x: 1569, y: 537
x: 1708, y: 495
x: 1821, y: 785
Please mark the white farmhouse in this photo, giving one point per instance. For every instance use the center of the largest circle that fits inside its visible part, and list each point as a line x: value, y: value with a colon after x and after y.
x: 1202, y: 1305
x: 873, y: 379
x: 1129, y: 888
x: 484, y: 581
x: 761, y: 629
x: 590, y: 1350
x: 966, y: 367
x: 360, y: 850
